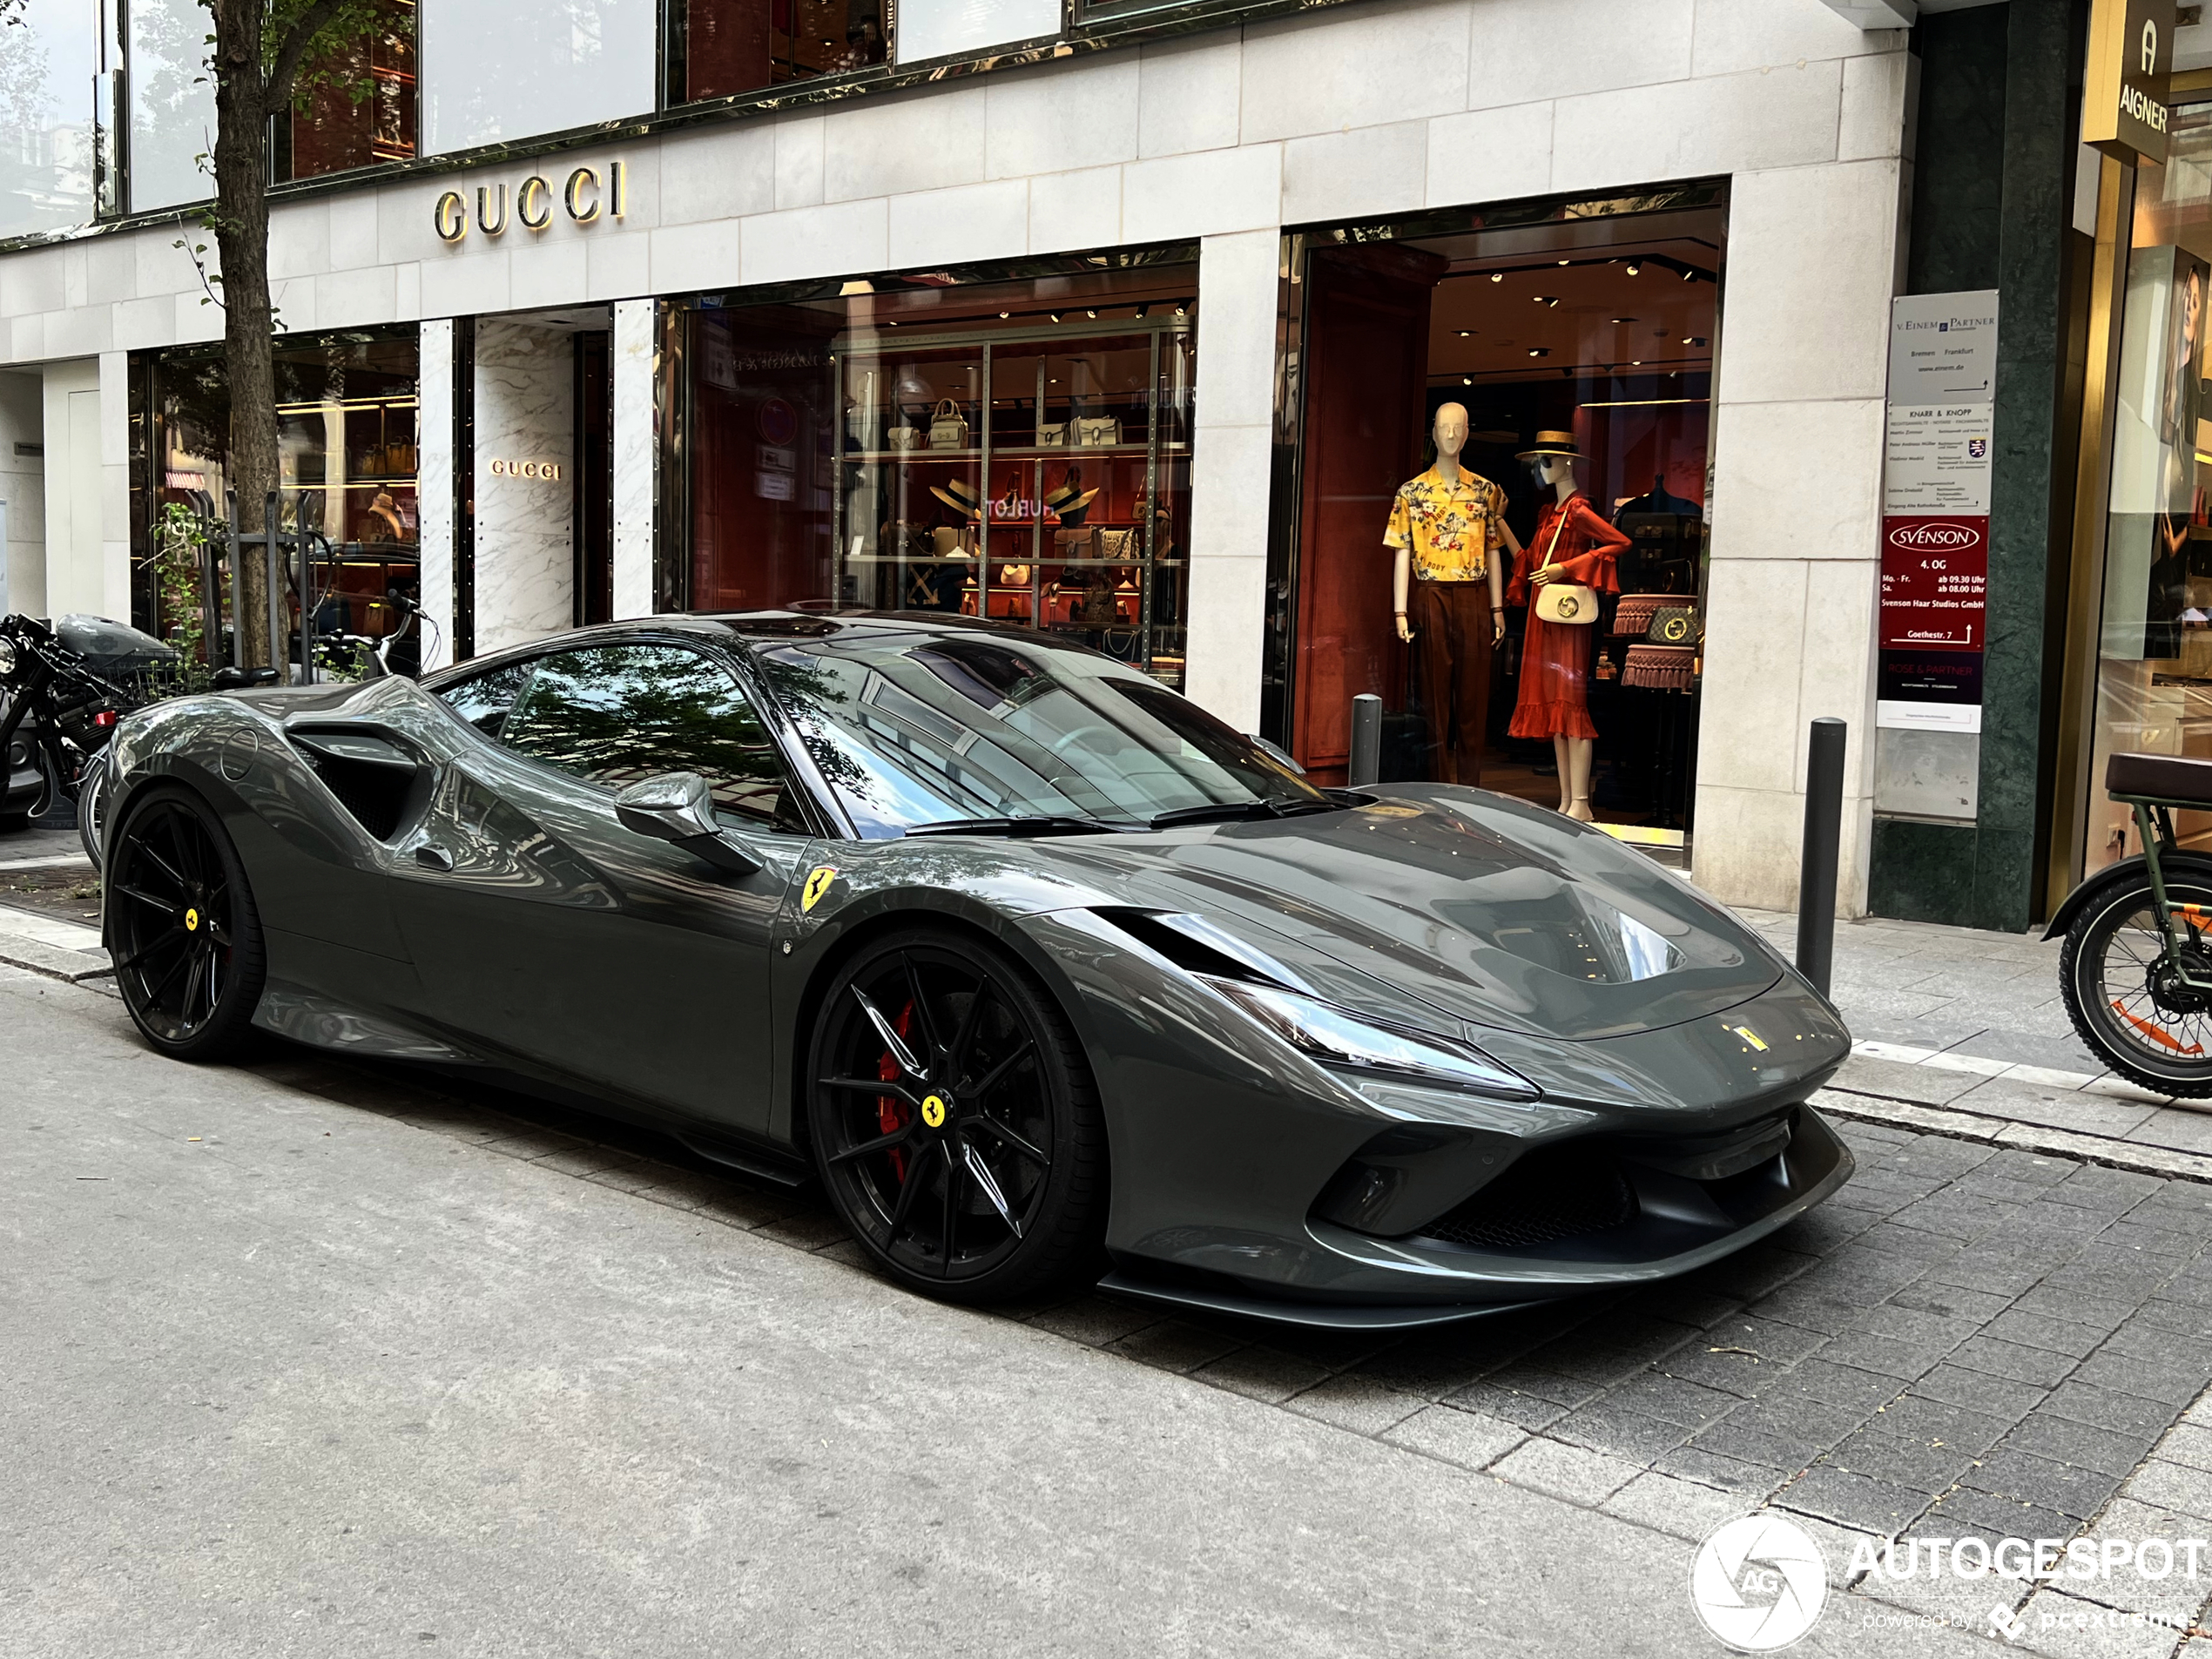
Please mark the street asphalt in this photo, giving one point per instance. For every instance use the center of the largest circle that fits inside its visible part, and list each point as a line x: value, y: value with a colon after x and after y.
x: 306, y: 1360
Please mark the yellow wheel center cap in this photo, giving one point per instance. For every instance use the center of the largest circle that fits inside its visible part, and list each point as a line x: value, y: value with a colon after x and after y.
x: 933, y: 1110
x: 191, y: 921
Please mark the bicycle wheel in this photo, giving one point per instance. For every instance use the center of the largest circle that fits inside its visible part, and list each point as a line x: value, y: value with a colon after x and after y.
x: 2125, y: 995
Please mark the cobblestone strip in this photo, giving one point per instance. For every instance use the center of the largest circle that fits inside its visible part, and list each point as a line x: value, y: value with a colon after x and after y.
x: 1967, y: 1340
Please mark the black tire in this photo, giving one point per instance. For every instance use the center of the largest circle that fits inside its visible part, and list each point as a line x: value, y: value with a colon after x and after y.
x: 92, y: 809
x: 13, y: 823
x: 1006, y: 1190
x: 2152, y: 1031
x: 189, y: 955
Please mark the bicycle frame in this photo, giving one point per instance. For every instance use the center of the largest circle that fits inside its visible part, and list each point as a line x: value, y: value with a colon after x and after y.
x: 2155, y: 827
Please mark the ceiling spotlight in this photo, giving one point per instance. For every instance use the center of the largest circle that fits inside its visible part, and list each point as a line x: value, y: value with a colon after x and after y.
x: 1055, y: 316
x: 1497, y: 276
x: 1467, y: 333
x: 1567, y: 261
x: 1092, y: 314
x: 1624, y: 320
x: 1539, y: 351
x: 1467, y: 380
x: 1183, y: 311
x: 1635, y: 269
x: 1636, y: 362
x: 1689, y: 276
x: 1003, y: 315
x: 1546, y: 299
x: 1141, y: 310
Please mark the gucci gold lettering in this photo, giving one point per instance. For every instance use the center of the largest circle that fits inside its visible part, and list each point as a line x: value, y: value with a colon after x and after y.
x: 534, y: 203
x: 582, y: 210
x: 616, y: 189
x: 450, y: 217
x: 490, y: 220
x: 548, y: 471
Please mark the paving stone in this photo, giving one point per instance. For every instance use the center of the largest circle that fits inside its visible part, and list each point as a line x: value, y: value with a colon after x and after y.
x: 1262, y: 1373
x: 2176, y: 1487
x: 1978, y: 1390
x: 1901, y: 1323
x: 2188, y: 1444
x: 1729, y: 1474
x: 1893, y: 1080
x: 1921, y: 1465
x: 2172, y: 1385
x: 1845, y: 1387
x: 1852, y: 1500
x: 1466, y: 1437
x: 1566, y: 1471
x: 2094, y: 1187
x: 1965, y: 1513
x: 1356, y: 1404
x: 2065, y: 1487
x: 2185, y: 1320
x: 1917, y: 1417
x: 2102, y: 1408
x: 1674, y: 1399
x: 1935, y: 1294
x: 1605, y: 1426
x: 1175, y: 1344
x: 1525, y: 1411
x: 1095, y: 1321
x: 2034, y: 1329
x: 1528, y: 1379
x: 2037, y: 1366
x: 1886, y: 1356
x: 1680, y: 1508
x: 2097, y: 1313
x: 2113, y: 1452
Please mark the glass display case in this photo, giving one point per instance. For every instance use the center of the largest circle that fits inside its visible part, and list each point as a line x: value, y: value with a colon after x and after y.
x: 1033, y: 477
x: 345, y: 467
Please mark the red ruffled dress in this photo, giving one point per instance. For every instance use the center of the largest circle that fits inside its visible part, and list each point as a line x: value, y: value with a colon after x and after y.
x: 1554, y: 658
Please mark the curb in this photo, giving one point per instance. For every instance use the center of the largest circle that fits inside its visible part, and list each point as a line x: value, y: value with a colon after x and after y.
x: 2026, y: 1138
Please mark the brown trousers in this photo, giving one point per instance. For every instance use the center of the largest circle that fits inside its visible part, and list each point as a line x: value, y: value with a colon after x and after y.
x: 1452, y: 628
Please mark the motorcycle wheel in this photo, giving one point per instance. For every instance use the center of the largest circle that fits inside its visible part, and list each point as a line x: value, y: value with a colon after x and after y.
x: 92, y: 808
x: 2127, y: 1001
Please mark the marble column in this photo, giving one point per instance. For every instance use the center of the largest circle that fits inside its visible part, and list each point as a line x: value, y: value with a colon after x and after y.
x: 115, y: 485
x: 1232, y: 438
x: 525, y: 530
x: 637, y: 454
x: 434, y: 493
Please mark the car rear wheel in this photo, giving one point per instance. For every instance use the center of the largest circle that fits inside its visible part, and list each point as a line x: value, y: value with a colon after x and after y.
x: 189, y: 958
x: 953, y: 1121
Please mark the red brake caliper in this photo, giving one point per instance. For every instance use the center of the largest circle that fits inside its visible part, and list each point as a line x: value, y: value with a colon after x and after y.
x: 891, y: 1112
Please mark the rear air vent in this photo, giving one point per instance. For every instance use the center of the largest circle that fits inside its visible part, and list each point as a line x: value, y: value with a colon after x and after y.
x: 1556, y: 1193
x: 375, y: 780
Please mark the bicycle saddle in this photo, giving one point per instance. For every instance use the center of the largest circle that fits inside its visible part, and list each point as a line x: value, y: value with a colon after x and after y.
x: 2178, y: 778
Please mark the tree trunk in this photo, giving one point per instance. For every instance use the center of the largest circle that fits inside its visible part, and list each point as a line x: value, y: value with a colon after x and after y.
x: 242, y: 239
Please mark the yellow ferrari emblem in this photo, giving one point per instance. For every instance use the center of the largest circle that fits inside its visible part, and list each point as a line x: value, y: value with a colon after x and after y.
x: 191, y: 921
x: 1750, y: 1036
x: 817, y: 883
x: 933, y: 1110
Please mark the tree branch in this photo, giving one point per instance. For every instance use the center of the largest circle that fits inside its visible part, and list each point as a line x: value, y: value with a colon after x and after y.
x: 297, y: 42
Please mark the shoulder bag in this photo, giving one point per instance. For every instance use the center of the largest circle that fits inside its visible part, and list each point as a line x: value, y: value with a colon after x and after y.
x: 1570, y: 604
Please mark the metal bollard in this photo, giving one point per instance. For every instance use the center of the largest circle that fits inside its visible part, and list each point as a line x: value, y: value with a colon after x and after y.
x: 1367, y: 741
x: 1823, y: 846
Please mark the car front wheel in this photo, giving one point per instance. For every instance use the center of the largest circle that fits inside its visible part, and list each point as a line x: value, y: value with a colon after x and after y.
x: 189, y: 958
x: 953, y: 1121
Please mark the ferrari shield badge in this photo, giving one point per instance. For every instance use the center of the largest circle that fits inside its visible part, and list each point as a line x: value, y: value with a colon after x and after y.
x: 933, y: 1110
x: 817, y: 883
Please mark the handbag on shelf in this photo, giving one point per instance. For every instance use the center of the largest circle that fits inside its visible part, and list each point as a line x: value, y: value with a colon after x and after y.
x: 948, y: 426
x: 1632, y: 617
x: 1094, y: 607
x: 1095, y: 431
x: 1567, y: 603
x: 1660, y: 668
x: 1675, y: 624
x: 1052, y: 435
x: 1013, y: 576
x: 905, y: 437
x: 1118, y: 545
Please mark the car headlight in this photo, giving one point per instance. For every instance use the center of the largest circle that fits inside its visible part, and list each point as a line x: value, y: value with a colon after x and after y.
x: 7, y: 657
x: 1336, y: 1038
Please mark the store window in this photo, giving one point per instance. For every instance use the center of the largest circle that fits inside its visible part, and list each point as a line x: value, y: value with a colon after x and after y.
x: 1504, y: 401
x: 490, y: 74
x: 719, y: 47
x: 1015, y: 449
x: 359, y: 107
x: 48, y: 53
x: 948, y: 27
x: 173, y: 104
x: 2154, y: 634
x: 346, y: 457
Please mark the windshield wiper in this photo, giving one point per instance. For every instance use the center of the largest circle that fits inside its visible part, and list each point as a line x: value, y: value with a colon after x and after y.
x: 1242, y: 811
x: 1014, y: 826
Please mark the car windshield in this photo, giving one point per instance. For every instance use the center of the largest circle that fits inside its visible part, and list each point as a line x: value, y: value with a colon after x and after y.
x: 938, y: 727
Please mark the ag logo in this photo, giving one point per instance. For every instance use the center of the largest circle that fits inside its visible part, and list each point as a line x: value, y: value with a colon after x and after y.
x: 817, y: 883
x: 1758, y: 1584
x: 933, y: 1110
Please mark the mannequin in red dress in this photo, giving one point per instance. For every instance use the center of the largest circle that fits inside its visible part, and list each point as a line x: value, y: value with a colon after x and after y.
x: 1575, y: 544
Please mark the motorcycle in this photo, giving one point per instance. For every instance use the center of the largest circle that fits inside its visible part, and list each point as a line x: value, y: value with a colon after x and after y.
x: 2135, y: 972
x: 63, y: 691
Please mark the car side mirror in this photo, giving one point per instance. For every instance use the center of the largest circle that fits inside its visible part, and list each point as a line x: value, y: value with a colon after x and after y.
x: 678, y: 808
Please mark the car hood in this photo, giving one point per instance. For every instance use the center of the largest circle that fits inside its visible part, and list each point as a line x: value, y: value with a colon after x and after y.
x: 1484, y: 907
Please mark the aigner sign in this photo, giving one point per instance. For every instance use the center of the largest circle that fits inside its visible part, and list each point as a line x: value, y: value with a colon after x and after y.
x: 585, y: 196
x: 2125, y: 94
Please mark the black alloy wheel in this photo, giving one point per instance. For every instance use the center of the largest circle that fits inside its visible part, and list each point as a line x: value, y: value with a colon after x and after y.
x: 186, y: 940
x: 2122, y: 992
x: 953, y: 1121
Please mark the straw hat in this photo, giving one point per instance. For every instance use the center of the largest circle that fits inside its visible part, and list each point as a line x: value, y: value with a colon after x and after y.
x: 1552, y: 443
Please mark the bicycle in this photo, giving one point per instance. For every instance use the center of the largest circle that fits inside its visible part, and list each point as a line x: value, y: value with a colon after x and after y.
x: 2135, y: 972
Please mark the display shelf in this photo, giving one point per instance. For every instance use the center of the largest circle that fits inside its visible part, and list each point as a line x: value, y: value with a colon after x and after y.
x: 1025, y: 452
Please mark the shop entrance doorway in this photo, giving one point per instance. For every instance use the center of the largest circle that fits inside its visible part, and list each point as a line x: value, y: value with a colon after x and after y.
x: 1569, y: 348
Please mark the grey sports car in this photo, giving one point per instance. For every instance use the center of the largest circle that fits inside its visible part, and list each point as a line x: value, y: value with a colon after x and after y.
x: 1031, y: 963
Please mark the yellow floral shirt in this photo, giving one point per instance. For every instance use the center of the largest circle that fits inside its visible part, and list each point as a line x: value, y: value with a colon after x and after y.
x: 1451, y: 530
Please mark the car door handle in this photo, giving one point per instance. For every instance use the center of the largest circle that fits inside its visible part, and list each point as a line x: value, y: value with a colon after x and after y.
x: 432, y: 857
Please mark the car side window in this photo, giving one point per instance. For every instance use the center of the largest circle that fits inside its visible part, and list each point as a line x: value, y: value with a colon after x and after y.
x: 485, y: 700
x: 616, y: 714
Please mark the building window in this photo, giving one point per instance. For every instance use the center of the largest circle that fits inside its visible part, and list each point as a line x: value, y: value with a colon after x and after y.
x: 173, y: 104
x: 490, y: 74
x: 930, y: 29
x: 47, y: 155
x: 359, y: 106
x: 720, y: 47
x: 1016, y: 450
